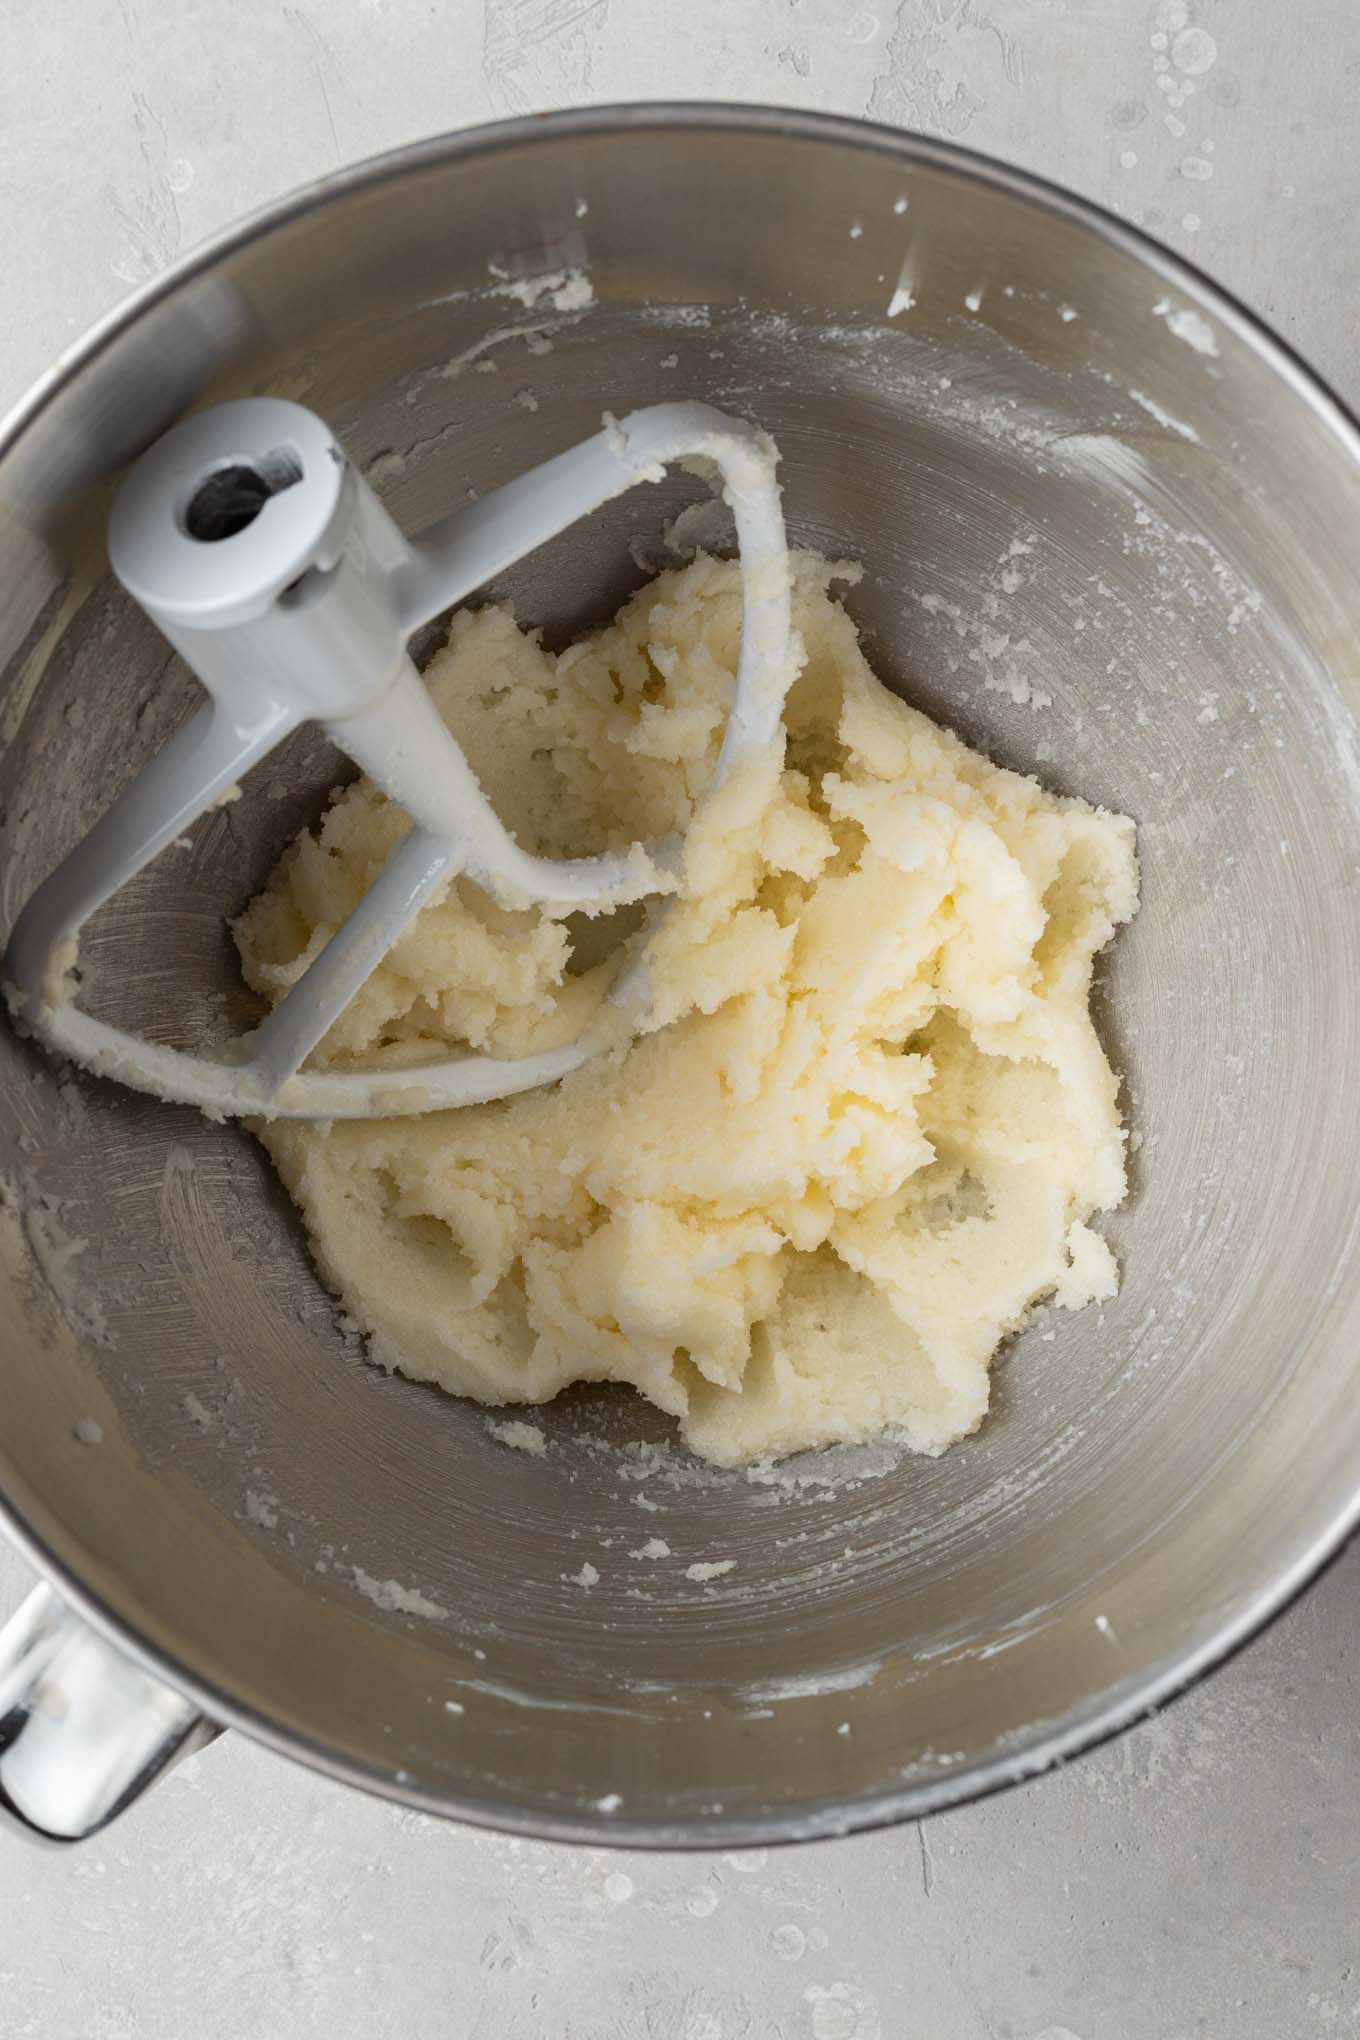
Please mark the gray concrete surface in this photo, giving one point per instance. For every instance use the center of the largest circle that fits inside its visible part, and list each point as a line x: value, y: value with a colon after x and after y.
x: 1198, y: 1880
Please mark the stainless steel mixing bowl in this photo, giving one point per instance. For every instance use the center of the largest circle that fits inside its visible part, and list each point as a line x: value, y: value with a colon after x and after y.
x: 1071, y: 468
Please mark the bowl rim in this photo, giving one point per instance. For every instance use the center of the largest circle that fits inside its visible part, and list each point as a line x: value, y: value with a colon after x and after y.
x: 1042, y: 1745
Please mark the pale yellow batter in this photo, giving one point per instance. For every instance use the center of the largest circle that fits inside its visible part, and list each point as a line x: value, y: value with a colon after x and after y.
x: 870, y: 1121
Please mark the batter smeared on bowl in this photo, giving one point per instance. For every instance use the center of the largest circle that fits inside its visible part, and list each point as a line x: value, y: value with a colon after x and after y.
x: 869, y: 1121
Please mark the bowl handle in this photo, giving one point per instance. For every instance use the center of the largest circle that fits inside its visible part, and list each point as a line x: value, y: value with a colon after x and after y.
x: 83, y: 1728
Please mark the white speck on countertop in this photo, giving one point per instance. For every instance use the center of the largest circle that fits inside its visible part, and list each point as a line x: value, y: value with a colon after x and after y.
x: 655, y: 1547
x: 1193, y: 51
x: 587, y: 1577
x: 87, y: 1431
x: 709, y: 1569
x: 842, y: 2011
